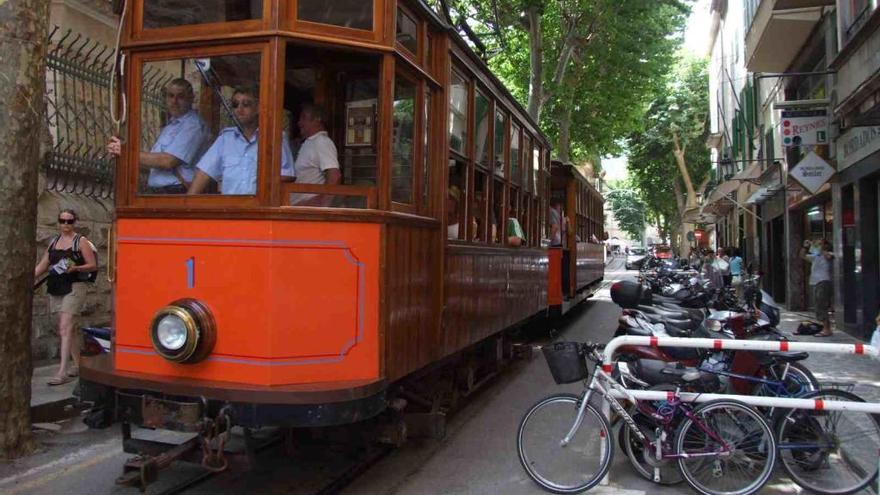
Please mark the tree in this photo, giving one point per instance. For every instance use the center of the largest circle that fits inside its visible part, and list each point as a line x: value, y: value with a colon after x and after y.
x: 585, y: 69
x: 629, y: 210
x: 668, y: 160
x: 23, y: 35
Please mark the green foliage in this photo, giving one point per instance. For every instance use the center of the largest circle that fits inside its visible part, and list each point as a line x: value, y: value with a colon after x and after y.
x: 622, y: 51
x: 680, y: 110
x: 628, y: 208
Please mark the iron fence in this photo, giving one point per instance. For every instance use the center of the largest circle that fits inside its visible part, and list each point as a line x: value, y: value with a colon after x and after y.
x: 78, y: 112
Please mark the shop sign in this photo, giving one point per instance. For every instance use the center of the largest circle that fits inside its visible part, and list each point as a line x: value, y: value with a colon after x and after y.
x: 856, y: 144
x: 812, y: 172
x: 804, y: 127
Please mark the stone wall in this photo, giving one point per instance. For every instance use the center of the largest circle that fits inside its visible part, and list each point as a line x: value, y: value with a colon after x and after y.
x: 95, y: 219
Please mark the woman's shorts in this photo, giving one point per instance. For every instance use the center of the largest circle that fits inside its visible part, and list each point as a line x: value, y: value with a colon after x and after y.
x: 69, y: 303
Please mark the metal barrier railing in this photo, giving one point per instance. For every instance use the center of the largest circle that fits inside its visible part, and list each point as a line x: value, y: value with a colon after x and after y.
x: 745, y: 345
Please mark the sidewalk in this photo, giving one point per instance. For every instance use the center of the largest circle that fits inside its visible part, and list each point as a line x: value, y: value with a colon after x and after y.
x: 48, y: 402
x: 863, y: 371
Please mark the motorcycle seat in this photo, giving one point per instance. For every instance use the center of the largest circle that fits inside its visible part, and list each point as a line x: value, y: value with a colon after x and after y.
x: 677, y: 332
x: 656, y: 372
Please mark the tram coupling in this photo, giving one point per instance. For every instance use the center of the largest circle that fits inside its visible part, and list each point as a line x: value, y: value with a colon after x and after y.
x: 207, y: 447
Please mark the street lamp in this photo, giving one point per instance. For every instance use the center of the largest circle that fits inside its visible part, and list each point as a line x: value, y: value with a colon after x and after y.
x: 727, y: 168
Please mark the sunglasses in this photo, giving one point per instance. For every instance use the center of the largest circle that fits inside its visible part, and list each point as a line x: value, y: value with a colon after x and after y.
x: 245, y: 104
x: 68, y: 221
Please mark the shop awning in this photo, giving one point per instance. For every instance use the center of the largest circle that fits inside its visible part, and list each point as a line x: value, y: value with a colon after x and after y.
x: 763, y: 194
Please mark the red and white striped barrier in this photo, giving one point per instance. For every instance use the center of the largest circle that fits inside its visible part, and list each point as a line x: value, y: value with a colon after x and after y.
x: 745, y: 345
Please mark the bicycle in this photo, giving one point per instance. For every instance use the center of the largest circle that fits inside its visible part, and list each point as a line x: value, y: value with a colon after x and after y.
x: 721, y: 446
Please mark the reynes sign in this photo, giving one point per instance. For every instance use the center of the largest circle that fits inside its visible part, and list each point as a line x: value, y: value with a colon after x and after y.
x: 804, y: 127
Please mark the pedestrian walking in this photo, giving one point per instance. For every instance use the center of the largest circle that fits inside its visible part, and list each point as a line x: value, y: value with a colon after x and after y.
x: 819, y: 255
x: 710, y: 271
x: 736, y: 268
x: 70, y: 260
x: 722, y: 264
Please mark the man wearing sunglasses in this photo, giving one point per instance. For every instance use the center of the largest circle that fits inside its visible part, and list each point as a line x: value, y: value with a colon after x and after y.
x: 172, y: 158
x: 232, y: 159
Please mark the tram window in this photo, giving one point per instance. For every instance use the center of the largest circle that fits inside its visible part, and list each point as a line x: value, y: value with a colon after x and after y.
x: 499, y: 143
x: 186, y: 104
x: 458, y: 110
x: 407, y: 31
x: 354, y: 14
x: 536, y: 170
x: 173, y: 13
x: 528, y: 185
x: 515, y: 159
x: 497, y: 213
x: 345, y: 87
x: 426, y: 151
x: 455, y: 200
x: 481, y: 106
x: 403, y: 142
x: 480, y: 204
x: 525, y: 219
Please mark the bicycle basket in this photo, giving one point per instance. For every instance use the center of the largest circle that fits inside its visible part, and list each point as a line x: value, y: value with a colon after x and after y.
x: 566, y: 362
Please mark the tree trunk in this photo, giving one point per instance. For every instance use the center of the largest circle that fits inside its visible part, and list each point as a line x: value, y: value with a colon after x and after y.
x: 23, y: 35
x: 536, y: 63
x: 565, y: 135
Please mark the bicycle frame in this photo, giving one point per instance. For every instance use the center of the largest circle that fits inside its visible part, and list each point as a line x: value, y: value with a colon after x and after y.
x: 597, y: 384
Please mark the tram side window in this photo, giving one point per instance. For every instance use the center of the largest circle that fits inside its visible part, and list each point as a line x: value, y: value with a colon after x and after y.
x: 341, y: 148
x: 354, y: 14
x: 478, y: 213
x: 458, y: 110
x: 515, y: 159
x: 174, y: 13
x: 499, y: 143
x: 455, y: 200
x: 497, y: 213
x: 481, y: 132
x: 199, y: 122
x: 403, y: 142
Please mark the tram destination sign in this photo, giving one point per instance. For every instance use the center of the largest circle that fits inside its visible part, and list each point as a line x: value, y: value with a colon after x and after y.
x: 812, y: 172
x: 804, y: 127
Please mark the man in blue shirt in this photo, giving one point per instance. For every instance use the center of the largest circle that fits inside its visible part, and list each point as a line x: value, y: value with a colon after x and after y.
x: 172, y: 157
x: 232, y: 159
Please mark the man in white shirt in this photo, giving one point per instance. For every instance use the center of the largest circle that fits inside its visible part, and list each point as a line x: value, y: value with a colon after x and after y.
x: 317, y: 161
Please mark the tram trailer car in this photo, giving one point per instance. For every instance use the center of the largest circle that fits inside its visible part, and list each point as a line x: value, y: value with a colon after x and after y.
x: 300, y: 305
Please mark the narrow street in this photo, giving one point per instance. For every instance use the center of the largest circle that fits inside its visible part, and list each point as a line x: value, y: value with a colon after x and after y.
x: 477, y: 456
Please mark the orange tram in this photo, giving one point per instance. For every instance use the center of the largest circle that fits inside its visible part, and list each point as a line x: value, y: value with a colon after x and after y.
x: 263, y: 301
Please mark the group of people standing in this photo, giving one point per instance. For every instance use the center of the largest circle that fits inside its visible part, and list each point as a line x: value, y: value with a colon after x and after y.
x: 722, y: 267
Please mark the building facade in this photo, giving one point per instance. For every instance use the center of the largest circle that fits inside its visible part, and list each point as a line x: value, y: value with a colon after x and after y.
x: 815, y: 61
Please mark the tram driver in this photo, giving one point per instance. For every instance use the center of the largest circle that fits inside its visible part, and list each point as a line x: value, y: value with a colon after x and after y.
x: 232, y: 159
x: 172, y: 157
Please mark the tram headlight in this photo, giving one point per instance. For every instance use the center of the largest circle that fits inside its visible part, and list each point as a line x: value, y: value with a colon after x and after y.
x: 184, y: 331
x: 171, y: 332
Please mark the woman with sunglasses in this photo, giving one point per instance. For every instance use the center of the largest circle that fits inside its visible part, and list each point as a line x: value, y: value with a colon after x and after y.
x: 68, y: 256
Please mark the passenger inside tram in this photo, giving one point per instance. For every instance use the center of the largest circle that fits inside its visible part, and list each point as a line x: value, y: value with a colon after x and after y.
x: 316, y: 161
x: 232, y: 159
x: 333, y: 96
x: 170, y: 163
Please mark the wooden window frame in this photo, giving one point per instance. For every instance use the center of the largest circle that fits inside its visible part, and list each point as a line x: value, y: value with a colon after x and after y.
x: 412, y: 207
x: 231, y: 28
x: 419, y: 56
x: 478, y: 89
x: 383, y: 24
x: 268, y: 158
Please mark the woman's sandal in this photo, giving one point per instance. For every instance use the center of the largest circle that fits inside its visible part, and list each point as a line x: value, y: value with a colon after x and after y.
x: 54, y: 381
x: 73, y: 373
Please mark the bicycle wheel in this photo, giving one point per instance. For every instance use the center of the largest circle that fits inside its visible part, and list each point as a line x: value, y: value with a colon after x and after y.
x: 747, y: 463
x: 829, y: 451
x: 798, y: 380
x: 643, y: 462
x: 572, y: 468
